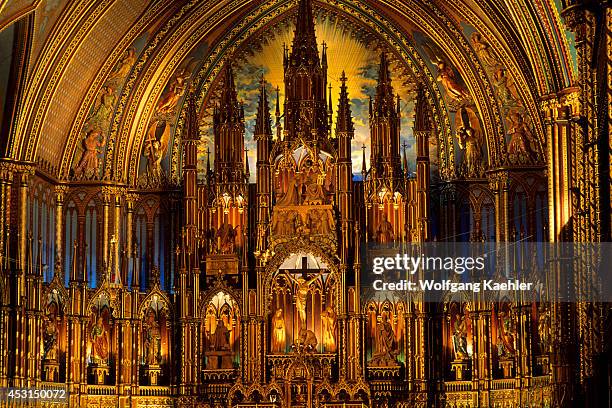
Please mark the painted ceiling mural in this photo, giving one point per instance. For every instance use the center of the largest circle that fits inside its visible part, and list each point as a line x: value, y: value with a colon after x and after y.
x: 351, y: 48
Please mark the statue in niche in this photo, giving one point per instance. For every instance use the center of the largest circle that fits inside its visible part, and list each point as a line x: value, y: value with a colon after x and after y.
x: 155, y: 151
x: 279, y: 336
x: 225, y: 239
x: 384, y: 232
x: 313, y: 182
x: 220, y: 340
x: 292, y: 196
x: 469, y: 141
x: 99, y: 341
x: 123, y: 67
x: 386, y: 352
x: 328, y: 317
x: 50, y: 334
x: 306, y: 341
x: 544, y: 330
x: 401, y: 323
x: 301, y: 295
x: 89, y: 164
x: 152, y: 343
x: 460, y: 337
x: 506, y: 335
x: 168, y: 101
x: 103, y: 109
x: 519, y: 147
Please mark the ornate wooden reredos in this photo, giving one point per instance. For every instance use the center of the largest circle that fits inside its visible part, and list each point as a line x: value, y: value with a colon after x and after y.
x: 187, y: 190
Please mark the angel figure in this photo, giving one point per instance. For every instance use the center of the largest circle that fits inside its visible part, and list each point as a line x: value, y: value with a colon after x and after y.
x: 446, y: 77
x: 519, y: 148
x: 123, y: 67
x: 155, y: 151
x: 168, y: 101
x: 484, y: 51
x: 103, y: 109
x: 89, y: 163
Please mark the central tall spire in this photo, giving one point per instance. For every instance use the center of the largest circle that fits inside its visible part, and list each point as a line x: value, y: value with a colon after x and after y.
x: 304, y: 49
x: 306, y: 110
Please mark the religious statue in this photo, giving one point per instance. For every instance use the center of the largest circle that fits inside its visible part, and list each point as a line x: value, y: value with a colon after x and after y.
x: 167, y: 103
x: 50, y: 335
x: 460, y: 337
x: 506, y: 336
x: 220, y: 340
x: 313, y: 183
x: 298, y: 225
x: 301, y: 295
x: 279, y: 338
x: 103, y: 109
x: 469, y: 142
x: 99, y: 342
x: 292, y: 196
x: 306, y: 341
x: 89, y: 164
x: 328, y: 317
x: 384, y: 231
x: 123, y: 67
x: 519, y: 148
x: 385, y: 346
x: 225, y: 239
x: 321, y: 221
x: 152, y: 342
x: 544, y: 330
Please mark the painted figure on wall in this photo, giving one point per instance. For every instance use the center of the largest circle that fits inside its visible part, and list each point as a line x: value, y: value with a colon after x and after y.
x: 89, y: 164
x: 519, y: 147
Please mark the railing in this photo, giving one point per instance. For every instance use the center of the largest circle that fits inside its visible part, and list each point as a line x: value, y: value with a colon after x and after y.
x: 457, y: 386
x: 101, y: 389
x: 505, y: 384
x: 542, y: 381
x: 46, y: 385
x: 153, y: 391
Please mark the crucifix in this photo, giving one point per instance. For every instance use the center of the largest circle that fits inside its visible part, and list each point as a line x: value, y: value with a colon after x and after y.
x: 302, y: 289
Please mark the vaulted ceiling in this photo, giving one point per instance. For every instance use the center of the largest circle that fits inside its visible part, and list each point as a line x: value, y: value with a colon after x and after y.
x: 118, y: 62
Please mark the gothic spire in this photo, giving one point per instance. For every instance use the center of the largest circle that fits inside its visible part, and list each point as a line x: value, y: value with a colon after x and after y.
x: 384, y: 100
x: 229, y: 109
x: 263, y: 124
x: 344, y: 122
x: 304, y: 49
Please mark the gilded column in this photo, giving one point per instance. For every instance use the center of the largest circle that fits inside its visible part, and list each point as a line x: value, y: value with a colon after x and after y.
x: 130, y: 200
x: 117, y: 235
x: 60, y: 195
x: 107, y: 194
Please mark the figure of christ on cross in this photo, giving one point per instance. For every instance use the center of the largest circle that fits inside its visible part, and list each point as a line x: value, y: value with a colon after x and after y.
x: 302, y: 290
